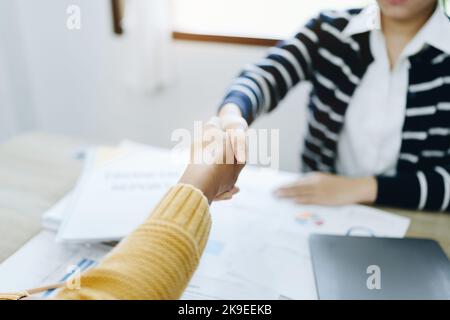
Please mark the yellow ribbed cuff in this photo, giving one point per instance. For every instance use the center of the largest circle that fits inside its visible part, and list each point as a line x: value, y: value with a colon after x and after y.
x: 187, y: 207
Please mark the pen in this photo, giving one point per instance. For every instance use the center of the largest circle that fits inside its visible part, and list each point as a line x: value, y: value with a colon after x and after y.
x: 27, y: 293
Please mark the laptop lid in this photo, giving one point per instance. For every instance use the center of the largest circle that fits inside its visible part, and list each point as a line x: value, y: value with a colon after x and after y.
x: 379, y: 268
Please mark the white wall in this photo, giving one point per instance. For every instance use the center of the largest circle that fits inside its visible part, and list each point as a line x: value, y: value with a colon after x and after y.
x: 65, y: 67
x: 204, y: 71
x: 70, y: 82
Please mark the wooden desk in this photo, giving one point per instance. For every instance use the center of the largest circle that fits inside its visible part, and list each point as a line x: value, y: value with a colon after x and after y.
x: 37, y: 169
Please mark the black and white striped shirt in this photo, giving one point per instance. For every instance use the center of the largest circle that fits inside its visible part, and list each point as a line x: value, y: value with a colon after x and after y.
x: 422, y: 178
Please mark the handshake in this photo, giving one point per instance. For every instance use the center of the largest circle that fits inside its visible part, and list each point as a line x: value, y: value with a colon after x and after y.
x: 218, y: 158
x: 223, y: 151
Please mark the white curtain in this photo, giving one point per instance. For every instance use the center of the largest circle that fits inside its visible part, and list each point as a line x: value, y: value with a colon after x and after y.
x: 147, y: 37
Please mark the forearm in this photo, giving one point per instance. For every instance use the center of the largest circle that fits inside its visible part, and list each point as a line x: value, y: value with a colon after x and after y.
x: 261, y: 86
x: 366, y: 190
x: 158, y: 259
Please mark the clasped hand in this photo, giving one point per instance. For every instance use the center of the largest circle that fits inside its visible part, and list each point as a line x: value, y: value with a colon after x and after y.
x: 313, y: 188
x: 213, y: 167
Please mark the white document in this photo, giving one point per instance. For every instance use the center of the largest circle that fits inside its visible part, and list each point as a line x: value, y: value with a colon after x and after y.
x: 267, y: 238
x: 52, y: 219
x: 94, y: 158
x: 114, y: 198
x: 203, y: 287
x: 42, y: 261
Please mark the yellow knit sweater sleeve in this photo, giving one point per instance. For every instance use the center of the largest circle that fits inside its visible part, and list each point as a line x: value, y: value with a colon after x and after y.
x: 157, y: 260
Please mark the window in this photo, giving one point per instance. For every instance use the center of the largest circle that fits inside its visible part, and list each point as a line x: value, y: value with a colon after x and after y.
x: 267, y: 19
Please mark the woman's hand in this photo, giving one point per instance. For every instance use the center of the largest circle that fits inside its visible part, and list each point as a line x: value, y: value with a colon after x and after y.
x: 213, y: 167
x: 328, y: 189
x: 231, y: 121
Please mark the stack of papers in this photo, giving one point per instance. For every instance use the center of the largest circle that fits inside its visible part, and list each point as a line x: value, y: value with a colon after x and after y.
x: 258, y: 244
x: 115, y: 193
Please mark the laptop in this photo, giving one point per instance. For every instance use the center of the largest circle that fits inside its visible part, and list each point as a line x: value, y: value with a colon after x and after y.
x: 379, y: 268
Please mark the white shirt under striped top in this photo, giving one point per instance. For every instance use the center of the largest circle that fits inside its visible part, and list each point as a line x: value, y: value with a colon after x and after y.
x: 370, y: 141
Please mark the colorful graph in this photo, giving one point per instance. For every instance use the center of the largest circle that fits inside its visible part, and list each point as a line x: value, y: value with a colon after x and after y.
x: 307, y: 217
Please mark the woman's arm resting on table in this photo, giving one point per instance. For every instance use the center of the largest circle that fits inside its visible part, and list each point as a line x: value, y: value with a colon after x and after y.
x: 428, y: 189
x: 329, y: 189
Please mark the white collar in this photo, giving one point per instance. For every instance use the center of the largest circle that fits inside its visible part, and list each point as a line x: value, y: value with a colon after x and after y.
x: 435, y: 32
x: 367, y: 20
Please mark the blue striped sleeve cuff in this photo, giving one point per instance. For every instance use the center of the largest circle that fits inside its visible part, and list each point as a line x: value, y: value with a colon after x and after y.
x: 243, y: 102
